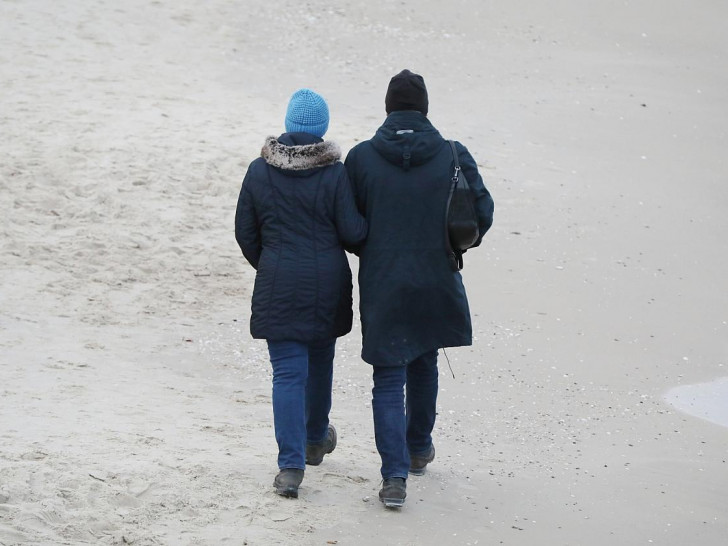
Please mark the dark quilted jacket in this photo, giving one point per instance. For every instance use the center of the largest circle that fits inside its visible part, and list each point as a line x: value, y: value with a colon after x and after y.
x: 295, y: 213
x: 411, y: 300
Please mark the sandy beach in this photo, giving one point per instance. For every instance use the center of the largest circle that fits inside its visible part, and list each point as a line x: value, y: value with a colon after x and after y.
x: 134, y: 405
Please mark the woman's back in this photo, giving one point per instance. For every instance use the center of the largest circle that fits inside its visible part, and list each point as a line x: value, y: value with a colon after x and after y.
x: 295, y: 212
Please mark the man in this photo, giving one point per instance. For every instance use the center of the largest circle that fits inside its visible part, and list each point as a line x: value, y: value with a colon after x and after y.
x: 412, y: 302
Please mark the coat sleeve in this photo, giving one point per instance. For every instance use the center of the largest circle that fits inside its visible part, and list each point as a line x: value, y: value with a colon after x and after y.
x: 483, y: 201
x: 350, y: 164
x: 350, y: 225
x: 247, y: 227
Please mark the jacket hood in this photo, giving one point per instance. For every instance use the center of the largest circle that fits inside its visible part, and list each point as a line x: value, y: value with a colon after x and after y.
x: 407, y: 138
x: 299, y: 152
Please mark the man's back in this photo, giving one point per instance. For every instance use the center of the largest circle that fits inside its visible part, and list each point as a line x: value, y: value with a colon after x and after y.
x: 411, y: 300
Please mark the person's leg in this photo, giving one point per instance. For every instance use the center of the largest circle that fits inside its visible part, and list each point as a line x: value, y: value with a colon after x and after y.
x: 290, y: 370
x: 318, y: 390
x: 422, y: 384
x: 390, y: 422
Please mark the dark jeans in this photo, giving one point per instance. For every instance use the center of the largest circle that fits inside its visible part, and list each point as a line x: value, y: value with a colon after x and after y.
x: 403, y: 426
x: 302, y: 375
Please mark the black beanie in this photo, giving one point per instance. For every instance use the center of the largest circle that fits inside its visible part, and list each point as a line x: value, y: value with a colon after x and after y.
x: 406, y: 91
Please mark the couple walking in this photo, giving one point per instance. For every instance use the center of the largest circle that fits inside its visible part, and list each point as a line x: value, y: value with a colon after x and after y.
x: 299, y: 209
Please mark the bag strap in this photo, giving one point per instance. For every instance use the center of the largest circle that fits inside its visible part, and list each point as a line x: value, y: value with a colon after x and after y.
x: 454, y: 153
x: 455, y: 256
x: 455, y: 159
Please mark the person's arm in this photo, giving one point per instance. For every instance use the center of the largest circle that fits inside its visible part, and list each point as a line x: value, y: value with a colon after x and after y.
x: 247, y: 229
x: 356, y: 189
x: 483, y: 201
x: 359, y: 198
x: 350, y: 225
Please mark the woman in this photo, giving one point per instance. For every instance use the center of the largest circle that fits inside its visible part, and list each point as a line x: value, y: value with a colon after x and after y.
x: 295, y: 214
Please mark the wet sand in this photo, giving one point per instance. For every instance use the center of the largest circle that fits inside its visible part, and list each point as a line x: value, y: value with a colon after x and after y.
x: 708, y: 401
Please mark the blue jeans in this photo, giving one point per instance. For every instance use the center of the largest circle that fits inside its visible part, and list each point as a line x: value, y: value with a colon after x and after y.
x: 302, y: 376
x: 403, y: 425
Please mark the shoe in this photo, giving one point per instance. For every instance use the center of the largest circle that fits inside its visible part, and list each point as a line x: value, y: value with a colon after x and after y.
x: 315, y: 452
x: 393, y: 492
x: 287, y: 482
x: 418, y: 463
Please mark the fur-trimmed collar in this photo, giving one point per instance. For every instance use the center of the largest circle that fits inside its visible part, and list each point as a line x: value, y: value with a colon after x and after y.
x: 299, y: 158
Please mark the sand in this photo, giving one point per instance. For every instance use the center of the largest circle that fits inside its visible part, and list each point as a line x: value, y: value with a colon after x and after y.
x: 135, y: 407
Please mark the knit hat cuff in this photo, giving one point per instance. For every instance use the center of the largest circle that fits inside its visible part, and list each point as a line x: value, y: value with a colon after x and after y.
x: 318, y: 130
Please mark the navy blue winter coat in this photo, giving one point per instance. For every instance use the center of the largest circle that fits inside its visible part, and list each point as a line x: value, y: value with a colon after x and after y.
x: 411, y: 301
x: 295, y: 212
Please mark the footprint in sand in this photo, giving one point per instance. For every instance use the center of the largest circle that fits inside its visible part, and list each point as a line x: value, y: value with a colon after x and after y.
x: 40, y: 520
x: 34, y: 455
x: 8, y: 535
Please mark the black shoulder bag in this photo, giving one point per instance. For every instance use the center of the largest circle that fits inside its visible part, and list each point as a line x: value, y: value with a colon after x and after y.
x: 461, y: 220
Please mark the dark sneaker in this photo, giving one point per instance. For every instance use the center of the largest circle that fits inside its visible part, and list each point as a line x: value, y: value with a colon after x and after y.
x: 315, y: 452
x: 418, y: 463
x: 287, y: 482
x: 393, y: 492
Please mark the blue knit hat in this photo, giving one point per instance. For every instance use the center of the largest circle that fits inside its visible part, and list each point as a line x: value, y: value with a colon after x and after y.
x: 307, y: 113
